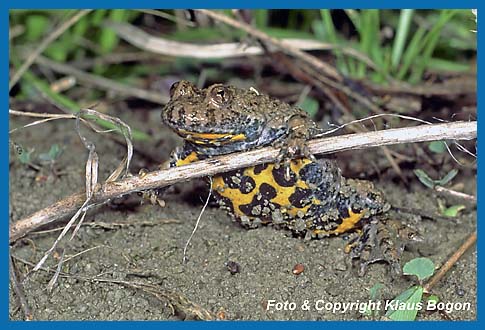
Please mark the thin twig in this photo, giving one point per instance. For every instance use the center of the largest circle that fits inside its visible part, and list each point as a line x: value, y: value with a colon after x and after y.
x: 123, y: 128
x: 19, y: 291
x: 91, y: 177
x: 40, y: 115
x: 73, y: 219
x: 103, y: 83
x: 321, y: 81
x: 111, y: 225
x: 80, y: 253
x: 298, y: 71
x: 212, y: 166
x: 394, y: 164
x: 62, y: 261
x: 44, y: 44
x: 54, y: 278
x: 47, y: 117
x: 450, y: 262
x: 185, y: 258
x: 470, y: 199
x: 15, y: 31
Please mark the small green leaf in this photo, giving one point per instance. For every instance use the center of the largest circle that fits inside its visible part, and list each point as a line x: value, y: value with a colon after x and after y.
x: 58, y: 50
x: 98, y: 16
x: 108, y: 38
x: 53, y: 153
x: 437, y: 64
x: 424, y: 178
x: 310, y: 105
x: 434, y: 298
x: 405, y: 307
x: 448, y: 177
x: 80, y: 28
x: 437, y: 147
x: 420, y: 267
x: 319, y: 29
x: 375, y: 290
x: 35, y: 27
x: 24, y: 156
x: 453, y: 211
x: 261, y: 17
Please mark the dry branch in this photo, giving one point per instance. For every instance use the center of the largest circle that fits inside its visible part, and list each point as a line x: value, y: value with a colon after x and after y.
x: 162, y: 178
x: 327, y: 69
x: 142, y: 40
x: 450, y: 262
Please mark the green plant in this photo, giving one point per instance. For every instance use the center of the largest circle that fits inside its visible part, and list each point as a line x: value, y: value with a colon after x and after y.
x: 430, y: 183
x: 418, y: 37
x: 373, y: 295
x: 76, y: 41
x: 406, y: 305
x: 28, y: 156
x: 425, y: 179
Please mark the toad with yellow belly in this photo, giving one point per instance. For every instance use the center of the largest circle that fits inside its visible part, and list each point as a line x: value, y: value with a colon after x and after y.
x: 308, y: 196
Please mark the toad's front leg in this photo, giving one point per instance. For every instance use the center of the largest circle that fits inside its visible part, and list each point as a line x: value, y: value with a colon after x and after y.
x: 299, y: 130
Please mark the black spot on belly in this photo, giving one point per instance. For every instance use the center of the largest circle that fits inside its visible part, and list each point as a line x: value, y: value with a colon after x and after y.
x: 268, y: 192
x: 224, y: 202
x: 301, y: 197
x: 260, y: 168
x: 247, y: 185
x: 261, y: 203
x: 246, y: 209
x: 233, y: 179
x: 279, y: 177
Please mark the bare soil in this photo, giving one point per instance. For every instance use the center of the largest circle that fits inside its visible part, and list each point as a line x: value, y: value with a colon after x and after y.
x: 144, y: 244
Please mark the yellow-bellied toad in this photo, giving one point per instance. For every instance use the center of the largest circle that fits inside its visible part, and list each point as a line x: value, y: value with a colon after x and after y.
x: 313, y: 200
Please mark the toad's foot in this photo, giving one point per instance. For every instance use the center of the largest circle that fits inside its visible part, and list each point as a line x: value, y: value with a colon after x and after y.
x: 381, y: 240
x: 152, y: 195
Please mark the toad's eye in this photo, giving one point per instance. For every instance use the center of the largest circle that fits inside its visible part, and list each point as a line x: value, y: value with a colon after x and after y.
x: 220, y: 95
x: 173, y: 88
x: 181, y: 88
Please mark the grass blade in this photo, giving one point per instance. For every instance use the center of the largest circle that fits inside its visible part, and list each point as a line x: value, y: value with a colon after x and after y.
x: 429, y: 44
x: 401, y: 35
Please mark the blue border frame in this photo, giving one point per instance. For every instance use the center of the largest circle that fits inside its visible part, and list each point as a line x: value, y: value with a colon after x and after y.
x: 24, y: 4
x: 223, y: 4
